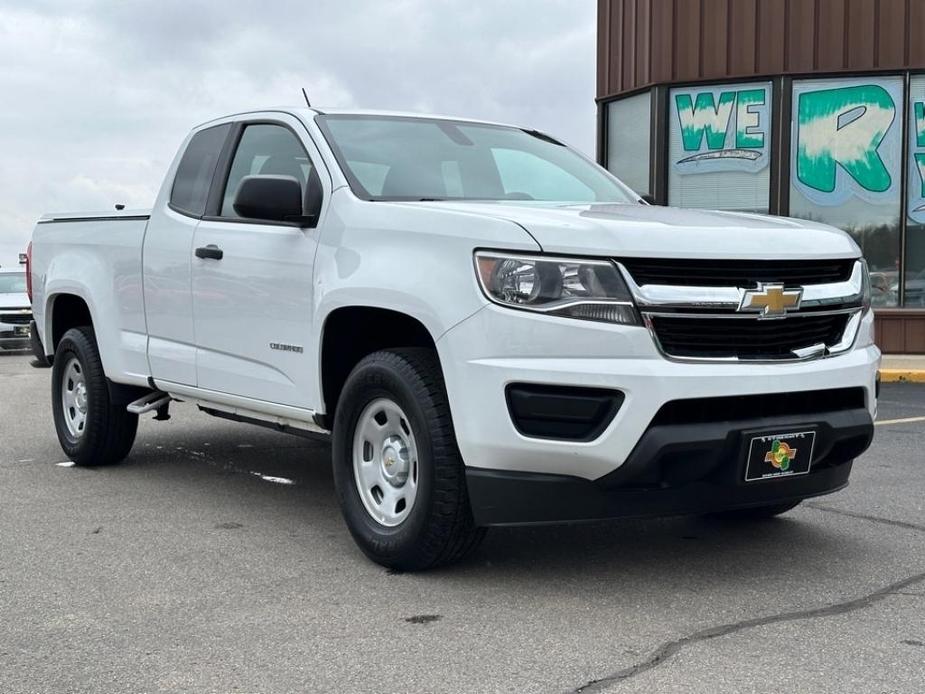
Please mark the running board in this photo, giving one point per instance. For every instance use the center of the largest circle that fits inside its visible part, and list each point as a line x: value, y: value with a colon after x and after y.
x: 247, y: 409
x: 149, y: 403
x: 281, y: 424
x: 254, y: 416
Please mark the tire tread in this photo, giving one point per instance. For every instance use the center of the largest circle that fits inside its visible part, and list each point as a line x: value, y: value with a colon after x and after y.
x: 110, y: 431
x: 449, y: 533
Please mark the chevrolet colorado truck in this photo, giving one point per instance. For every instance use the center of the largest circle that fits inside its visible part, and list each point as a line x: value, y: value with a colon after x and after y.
x: 491, y: 329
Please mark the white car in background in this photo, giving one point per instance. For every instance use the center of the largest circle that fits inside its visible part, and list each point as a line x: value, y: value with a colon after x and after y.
x: 15, y: 310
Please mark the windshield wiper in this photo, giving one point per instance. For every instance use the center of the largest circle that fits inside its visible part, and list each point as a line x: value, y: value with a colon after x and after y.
x: 544, y: 137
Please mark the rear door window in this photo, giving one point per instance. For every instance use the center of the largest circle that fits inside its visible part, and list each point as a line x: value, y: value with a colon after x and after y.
x: 197, y: 167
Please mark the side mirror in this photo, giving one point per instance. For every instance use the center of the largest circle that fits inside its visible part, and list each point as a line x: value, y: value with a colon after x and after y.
x: 271, y: 198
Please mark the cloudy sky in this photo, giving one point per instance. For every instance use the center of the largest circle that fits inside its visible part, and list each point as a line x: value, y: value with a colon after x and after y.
x: 97, y: 95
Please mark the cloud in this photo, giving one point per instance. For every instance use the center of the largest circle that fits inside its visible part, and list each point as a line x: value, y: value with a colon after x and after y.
x: 98, y: 95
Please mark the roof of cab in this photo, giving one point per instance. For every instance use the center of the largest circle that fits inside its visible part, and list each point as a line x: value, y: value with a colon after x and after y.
x: 309, y: 113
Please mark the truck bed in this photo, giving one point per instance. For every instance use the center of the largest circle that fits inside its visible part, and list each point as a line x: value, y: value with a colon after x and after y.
x: 95, y: 256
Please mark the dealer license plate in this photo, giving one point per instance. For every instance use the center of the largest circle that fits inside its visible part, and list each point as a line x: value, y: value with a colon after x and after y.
x: 779, y: 455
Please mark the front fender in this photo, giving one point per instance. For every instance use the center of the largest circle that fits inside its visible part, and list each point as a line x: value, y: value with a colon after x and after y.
x: 416, y: 260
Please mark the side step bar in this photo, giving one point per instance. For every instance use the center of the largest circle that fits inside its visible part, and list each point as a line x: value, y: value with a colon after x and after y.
x: 280, y: 424
x: 149, y: 403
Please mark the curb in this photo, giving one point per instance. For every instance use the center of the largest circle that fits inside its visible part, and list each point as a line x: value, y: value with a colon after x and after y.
x: 902, y: 375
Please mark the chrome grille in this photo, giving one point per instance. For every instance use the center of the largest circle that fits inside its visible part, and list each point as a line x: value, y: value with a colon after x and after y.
x: 691, y: 316
x: 737, y: 273
x: 15, y: 317
x: 723, y: 338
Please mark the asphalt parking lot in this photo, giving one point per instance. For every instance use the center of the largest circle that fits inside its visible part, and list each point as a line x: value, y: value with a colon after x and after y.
x: 215, y: 560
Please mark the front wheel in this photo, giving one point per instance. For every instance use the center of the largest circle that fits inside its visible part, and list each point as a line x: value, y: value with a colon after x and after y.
x: 91, y: 429
x: 399, y: 475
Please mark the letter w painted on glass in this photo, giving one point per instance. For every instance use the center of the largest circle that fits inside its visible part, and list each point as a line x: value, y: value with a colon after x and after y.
x: 704, y: 117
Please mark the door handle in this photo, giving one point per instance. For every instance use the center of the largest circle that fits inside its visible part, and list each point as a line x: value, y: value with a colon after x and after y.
x: 211, y: 251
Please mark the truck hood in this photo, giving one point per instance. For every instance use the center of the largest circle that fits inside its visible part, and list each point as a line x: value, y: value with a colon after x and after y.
x: 16, y: 300
x: 637, y: 230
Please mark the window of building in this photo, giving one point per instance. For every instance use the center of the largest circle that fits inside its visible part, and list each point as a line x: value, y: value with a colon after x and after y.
x: 719, y: 142
x: 915, y: 224
x: 845, y: 168
x: 628, y: 137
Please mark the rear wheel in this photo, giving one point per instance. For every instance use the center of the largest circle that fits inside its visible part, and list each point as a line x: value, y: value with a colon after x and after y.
x: 756, y: 513
x: 91, y: 430
x: 399, y: 475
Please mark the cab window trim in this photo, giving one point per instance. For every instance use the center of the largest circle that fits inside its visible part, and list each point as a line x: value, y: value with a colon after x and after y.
x: 223, y: 172
x: 218, y: 162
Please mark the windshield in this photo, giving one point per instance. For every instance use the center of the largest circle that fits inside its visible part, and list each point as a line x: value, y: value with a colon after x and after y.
x: 406, y: 158
x: 13, y: 283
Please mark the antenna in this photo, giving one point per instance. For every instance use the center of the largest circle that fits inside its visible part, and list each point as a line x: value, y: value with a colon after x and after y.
x: 305, y: 94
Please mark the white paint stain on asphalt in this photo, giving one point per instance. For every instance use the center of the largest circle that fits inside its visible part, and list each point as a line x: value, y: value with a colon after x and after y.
x: 66, y: 463
x: 275, y: 480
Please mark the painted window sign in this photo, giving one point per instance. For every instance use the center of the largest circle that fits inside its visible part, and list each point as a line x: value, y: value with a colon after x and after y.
x: 847, y: 139
x: 723, y: 128
x: 917, y: 150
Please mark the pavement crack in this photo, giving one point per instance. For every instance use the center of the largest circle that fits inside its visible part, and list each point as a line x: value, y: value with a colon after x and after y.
x: 873, y: 519
x: 669, y: 649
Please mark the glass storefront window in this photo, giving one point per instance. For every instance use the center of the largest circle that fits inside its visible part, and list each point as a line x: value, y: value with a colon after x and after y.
x: 628, y: 125
x: 845, y: 167
x: 719, y: 142
x: 915, y: 224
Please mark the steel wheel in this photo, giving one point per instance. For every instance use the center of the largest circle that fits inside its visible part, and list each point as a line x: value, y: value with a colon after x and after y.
x: 385, y: 462
x: 74, y: 397
x: 399, y: 476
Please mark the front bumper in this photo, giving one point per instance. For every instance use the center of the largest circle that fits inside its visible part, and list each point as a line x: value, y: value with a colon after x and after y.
x: 497, y: 347
x: 676, y: 469
x: 14, y: 336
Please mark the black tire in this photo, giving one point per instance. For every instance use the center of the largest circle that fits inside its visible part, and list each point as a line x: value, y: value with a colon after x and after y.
x: 109, y: 430
x: 41, y: 361
x: 438, y: 529
x: 756, y: 512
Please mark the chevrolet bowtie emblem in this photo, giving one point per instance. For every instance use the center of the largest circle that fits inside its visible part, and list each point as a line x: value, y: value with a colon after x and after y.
x: 771, y: 300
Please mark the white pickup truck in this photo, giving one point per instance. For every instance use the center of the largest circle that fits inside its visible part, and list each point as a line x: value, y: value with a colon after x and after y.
x: 491, y: 328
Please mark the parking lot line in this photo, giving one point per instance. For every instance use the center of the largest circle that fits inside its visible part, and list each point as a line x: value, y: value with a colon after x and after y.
x: 905, y: 420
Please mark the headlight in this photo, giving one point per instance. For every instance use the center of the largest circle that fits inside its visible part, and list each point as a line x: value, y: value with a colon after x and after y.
x: 569, y: 287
